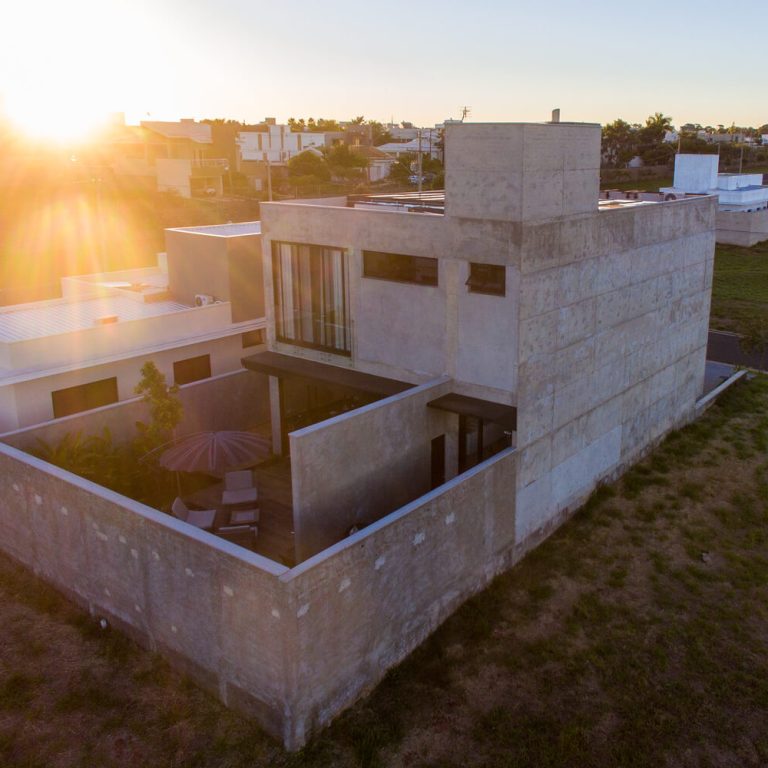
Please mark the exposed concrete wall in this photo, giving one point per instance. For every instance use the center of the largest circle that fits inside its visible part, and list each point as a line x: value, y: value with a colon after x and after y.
x: 196, y: 264
x: 216, y: 610
x: 367, y: 602
x: 521, y: 172
x: 429, y: 331
x: 231, y: 401
x: 414, y: 336
x: 742, y: 227
x: 486, y: 335
x: 246, y: 281
x: 613, y: 331
x: 289, y: 648
x: 32, y: 398
x: 361, y: 465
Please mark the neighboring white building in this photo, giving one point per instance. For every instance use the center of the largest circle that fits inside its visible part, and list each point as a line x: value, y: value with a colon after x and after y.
x: 742, y: 217
x: 697, y: 175
x: 86, y: 349
x: 277, y: 144
x: 427, y: 146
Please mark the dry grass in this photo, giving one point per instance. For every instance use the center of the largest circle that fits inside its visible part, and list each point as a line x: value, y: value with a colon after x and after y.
x: 635, y: 636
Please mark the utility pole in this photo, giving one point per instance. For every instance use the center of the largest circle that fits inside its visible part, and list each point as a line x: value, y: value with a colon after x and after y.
x: 420, y: 162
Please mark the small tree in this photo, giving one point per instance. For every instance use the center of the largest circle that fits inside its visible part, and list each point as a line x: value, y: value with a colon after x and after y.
x: 165, y: 408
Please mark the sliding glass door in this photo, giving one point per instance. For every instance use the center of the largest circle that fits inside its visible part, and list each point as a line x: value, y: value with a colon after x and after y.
x: 311, y: 302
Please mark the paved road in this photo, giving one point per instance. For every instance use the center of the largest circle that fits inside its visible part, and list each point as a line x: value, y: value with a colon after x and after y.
x: 724, y: 347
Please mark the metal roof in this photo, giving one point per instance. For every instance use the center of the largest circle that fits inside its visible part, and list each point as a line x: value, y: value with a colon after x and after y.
x: 50, y: 318
x: 223, y: 230
x: 183, y: 129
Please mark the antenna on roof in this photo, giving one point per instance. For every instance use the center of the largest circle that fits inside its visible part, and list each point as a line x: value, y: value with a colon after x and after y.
x: 465, y: 112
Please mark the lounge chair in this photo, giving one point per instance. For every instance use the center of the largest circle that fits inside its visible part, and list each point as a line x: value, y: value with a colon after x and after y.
x: 244, y: 516
x: 201, y: 518
x: 239, y: 488
x: 243, y: 535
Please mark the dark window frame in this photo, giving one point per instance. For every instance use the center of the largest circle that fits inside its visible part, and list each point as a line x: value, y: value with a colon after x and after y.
x: 93, y: 394
x: 487, y: 279
x: 322, y: 312
x: 425, y: 268
x: 191, y: 362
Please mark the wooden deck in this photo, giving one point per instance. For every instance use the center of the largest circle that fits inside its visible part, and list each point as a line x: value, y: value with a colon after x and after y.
x: 275, y: 539
x: 275, y: 527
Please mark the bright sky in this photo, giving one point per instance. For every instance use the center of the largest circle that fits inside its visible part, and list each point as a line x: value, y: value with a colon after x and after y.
x: 65, y: 62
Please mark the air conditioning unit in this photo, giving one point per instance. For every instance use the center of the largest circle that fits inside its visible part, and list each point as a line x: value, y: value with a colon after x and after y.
x: 203, y: 299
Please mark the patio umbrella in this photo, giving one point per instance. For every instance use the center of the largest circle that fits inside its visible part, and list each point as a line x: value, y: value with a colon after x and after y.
x: 216, y: 452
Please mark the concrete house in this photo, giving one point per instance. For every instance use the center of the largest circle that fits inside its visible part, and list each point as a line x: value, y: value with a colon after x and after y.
x: 194, y: 315
x: 492, y: 354
x: 522, y: 314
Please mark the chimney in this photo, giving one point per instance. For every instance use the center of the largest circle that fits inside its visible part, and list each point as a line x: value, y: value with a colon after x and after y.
x: 556, y: 115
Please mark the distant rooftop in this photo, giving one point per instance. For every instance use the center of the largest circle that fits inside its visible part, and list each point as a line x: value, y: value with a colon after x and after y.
x: 183, y: 129
x: 64, y: 316
x: 224, y: 230
x: 432, y: 201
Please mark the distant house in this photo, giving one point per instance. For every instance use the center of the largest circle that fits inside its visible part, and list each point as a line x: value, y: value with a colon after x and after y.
x: 268, y: 151
x: 742, y: 217
x: 427, y: 146
x: 170, y: 156
x: 194, y: 315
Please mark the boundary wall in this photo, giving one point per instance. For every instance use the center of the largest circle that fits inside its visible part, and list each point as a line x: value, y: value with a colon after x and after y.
x: 289, y: 648
x: 361, y: 465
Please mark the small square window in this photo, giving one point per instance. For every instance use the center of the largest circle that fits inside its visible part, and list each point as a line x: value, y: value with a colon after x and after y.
x: 487, y: 278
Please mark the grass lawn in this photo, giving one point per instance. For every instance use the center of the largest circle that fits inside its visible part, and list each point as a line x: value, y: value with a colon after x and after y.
x: 635, y: 636
x: 740, y: 288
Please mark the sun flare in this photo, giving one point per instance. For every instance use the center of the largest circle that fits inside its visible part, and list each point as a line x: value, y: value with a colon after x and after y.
x: 60, y: 117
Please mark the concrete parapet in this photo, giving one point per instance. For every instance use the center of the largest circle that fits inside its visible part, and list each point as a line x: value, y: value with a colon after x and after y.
x: 521, y: 171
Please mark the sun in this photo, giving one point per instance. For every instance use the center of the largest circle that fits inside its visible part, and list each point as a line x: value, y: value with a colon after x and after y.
x: 61, y: 116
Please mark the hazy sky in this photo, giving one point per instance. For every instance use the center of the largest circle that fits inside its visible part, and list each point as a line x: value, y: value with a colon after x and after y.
x: 419, y: 60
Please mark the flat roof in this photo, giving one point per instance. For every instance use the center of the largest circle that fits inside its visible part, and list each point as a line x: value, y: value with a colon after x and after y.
x: 34, y: 321
x: 223, y: 230
x: 276, y: 364
x: 485, y: 410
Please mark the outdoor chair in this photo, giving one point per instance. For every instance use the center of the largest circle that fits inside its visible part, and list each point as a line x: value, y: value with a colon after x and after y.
x: 244, y: 516
x: 242, y: 535
x: 201, y: 518
x: 239, y: 488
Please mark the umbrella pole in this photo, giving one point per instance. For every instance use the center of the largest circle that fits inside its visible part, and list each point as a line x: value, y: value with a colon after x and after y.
x: 178, y: 483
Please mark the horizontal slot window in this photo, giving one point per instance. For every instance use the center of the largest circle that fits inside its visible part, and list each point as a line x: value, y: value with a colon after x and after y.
x: 192, y: 369
x: 400, y: 268
x: 84, y: 397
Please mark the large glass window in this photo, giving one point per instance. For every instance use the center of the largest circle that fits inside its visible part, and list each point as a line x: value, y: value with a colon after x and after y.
x: 311, y: 303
